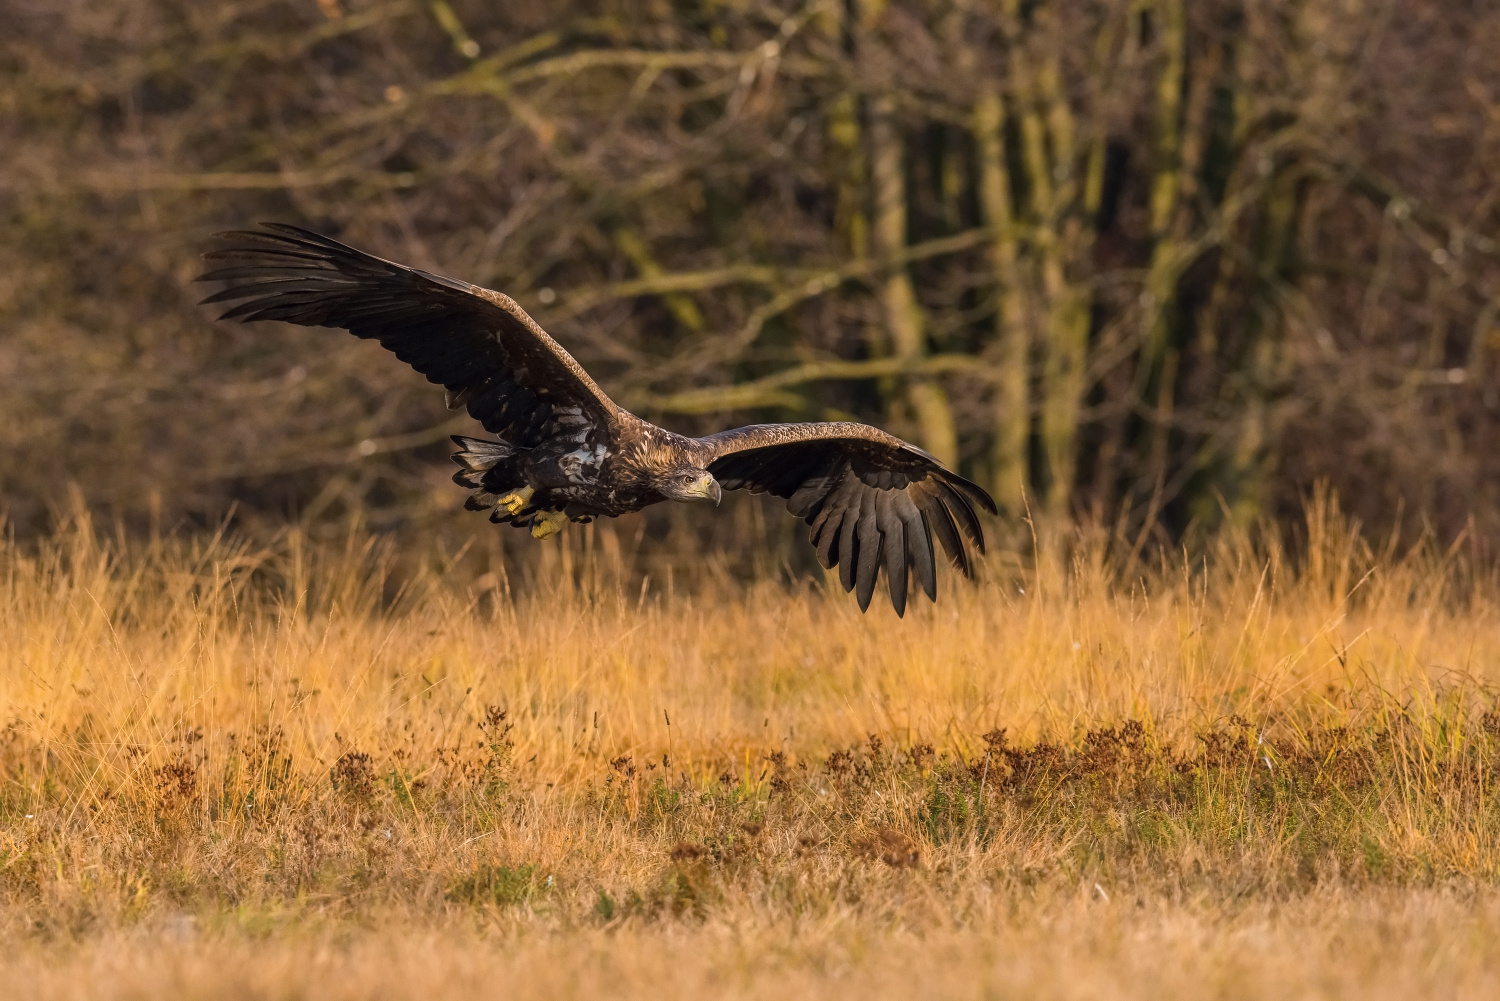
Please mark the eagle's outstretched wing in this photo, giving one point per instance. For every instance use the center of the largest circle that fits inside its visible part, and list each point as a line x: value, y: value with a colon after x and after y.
x: 870, y: 498
x: 491, y: 357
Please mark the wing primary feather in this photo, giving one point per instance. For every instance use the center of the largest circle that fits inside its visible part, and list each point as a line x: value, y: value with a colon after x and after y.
x: 947, y: 532
x: 976, y: 495
x: 848, y: 548
x: 818, y: 523
x: 869, y: 551
x: 809, y: 498
x: 963, y: 513
x: 839, y: 505
x: 255, y: 272
x: 893, y: 544
x: 918, y: 544
x: 260, y: 254
x: 826, y: 540
x: 322, y: 283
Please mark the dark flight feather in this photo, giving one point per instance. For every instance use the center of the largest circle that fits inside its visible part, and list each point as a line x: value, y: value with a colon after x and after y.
x: 884, y: 499
x: 893, y: 541
x: 477, y: 344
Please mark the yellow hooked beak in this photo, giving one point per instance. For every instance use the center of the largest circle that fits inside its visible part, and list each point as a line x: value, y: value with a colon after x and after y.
x: 706, y: 488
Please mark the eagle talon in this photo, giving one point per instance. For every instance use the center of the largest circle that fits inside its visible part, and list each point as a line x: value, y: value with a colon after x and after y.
x: 515, y: 501
x: 548, y: 524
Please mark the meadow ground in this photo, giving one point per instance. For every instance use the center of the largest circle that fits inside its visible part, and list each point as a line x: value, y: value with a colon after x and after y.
x: 293, y: 770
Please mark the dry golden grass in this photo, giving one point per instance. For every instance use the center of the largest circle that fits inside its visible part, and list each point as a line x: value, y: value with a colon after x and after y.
x: 312, y: 770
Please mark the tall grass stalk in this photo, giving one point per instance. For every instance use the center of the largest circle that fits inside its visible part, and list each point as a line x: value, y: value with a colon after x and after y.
x: 276, y: 738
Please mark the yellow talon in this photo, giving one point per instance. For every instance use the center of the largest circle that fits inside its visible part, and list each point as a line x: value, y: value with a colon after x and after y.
x: 514, y: 501
x: 548, y: 524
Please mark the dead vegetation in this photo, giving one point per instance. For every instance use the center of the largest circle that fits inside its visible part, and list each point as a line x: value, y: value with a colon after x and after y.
x: 214, y: 743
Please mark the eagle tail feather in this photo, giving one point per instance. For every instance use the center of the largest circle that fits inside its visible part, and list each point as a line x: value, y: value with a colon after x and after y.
x: 477, y: 455
x: 487, y: 472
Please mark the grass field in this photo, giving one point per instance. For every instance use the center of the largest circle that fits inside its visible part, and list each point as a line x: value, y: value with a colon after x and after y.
x: 287, y: 770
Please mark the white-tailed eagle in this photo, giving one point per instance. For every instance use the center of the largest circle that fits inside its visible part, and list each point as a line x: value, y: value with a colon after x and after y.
x: 565, y: 451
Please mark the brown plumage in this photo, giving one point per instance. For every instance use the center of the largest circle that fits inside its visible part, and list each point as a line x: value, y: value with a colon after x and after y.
x: 566, y: 451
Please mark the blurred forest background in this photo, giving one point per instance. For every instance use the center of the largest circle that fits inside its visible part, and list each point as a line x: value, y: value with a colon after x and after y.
x: 1140, y: 262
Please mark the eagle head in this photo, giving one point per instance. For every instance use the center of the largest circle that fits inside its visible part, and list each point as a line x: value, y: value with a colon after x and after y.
x: 688, y: 483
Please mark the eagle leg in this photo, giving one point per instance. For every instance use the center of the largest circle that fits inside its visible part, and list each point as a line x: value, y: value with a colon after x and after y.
x: 547, y: 524
x: 514, y: 501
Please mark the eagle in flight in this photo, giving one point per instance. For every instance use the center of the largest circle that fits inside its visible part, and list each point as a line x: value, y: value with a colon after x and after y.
x: 564, y: 451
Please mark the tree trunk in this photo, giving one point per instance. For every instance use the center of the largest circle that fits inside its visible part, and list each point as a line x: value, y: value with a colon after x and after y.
x: 903, y: 315
x: 1012, y: 324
